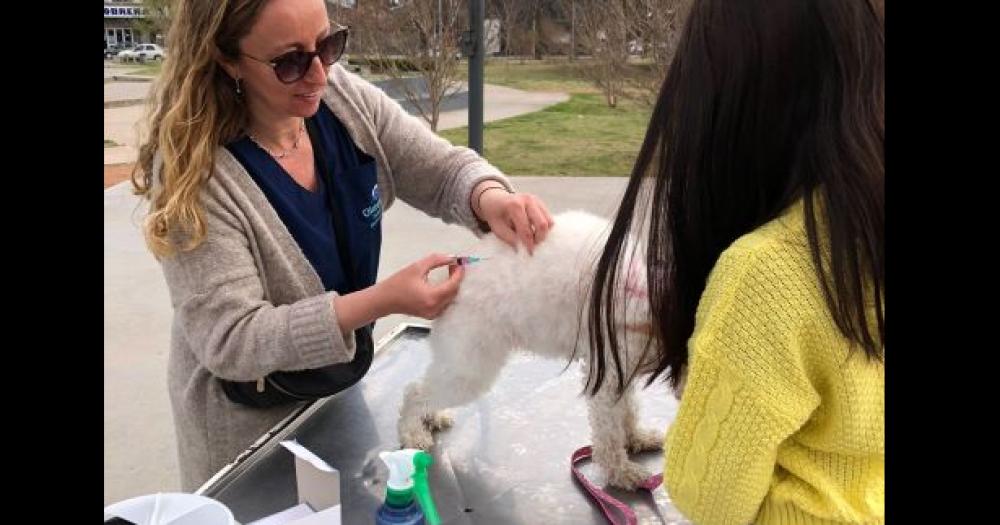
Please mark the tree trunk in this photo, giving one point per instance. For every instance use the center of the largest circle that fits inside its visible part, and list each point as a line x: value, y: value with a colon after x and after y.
x: 572, y: 31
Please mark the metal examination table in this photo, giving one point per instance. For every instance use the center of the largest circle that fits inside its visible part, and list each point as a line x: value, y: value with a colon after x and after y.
x: 505, y: 460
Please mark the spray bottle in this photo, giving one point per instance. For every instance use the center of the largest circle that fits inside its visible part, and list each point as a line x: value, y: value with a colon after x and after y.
x: 407, y: 478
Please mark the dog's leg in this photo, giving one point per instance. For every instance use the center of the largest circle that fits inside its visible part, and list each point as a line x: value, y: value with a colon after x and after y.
x: 412, y: 426
x: 639, y: 439
x: 608, y: 424
x: 452, y: 380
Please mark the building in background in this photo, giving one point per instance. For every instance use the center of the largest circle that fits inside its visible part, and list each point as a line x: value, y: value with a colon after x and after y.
x: 120, y: 27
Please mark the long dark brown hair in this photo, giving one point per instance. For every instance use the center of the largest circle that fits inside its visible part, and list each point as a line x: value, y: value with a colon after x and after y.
x: 766, y: 102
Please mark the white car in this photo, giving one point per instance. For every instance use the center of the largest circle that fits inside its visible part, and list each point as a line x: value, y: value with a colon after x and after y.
x: 142, y: 53
x: 127, y: 54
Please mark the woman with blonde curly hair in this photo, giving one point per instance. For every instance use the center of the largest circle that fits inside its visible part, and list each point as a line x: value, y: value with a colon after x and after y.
x: 267, y: 168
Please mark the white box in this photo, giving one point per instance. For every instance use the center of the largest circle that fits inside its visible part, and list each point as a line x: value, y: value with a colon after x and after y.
x: 318, y: 488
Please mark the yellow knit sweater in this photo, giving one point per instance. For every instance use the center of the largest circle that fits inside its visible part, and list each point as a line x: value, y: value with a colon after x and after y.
x: 777, y: 424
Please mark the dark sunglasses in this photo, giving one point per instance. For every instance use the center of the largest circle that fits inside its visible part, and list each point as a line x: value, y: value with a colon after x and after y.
x: 292, y: 66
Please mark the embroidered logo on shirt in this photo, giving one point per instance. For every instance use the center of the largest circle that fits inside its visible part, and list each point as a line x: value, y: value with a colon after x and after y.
x: 373, y: 213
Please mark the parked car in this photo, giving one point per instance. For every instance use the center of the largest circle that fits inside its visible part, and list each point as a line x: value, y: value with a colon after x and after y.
x: 112, y: 51
x: 150, y: 52
x: 127, y: 54
x: 142, y: 53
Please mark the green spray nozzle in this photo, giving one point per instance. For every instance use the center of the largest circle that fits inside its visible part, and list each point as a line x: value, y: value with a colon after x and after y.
x: 408, y: 478
x: 421, y: 462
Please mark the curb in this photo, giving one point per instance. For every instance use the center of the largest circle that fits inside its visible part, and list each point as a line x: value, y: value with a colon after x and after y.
x: 124, y: 103
x: 130, y: 78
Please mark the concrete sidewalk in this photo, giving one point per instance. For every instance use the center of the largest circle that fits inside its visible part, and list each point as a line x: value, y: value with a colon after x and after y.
x: 128, y: 93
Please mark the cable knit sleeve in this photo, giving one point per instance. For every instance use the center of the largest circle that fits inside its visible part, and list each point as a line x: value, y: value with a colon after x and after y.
x: 748, y: 389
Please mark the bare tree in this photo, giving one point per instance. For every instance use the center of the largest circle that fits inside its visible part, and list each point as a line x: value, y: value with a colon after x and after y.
x: 155, y: 19
x: 531, y: 27
x: 602, y: 29
x: 572, y: 29
x: 615, y: 31
x: 417, y: 46
x: 654, y: 31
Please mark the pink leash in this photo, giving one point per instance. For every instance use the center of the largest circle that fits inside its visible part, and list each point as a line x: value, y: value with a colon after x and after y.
x: 609, y: 504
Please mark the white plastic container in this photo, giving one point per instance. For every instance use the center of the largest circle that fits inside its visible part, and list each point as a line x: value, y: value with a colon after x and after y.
x: 171, y: 509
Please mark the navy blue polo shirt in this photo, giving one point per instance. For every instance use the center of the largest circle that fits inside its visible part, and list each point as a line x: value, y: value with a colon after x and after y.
x: 307, y: 215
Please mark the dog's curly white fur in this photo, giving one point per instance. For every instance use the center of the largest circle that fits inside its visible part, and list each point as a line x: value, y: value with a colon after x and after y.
x: 514, y: 301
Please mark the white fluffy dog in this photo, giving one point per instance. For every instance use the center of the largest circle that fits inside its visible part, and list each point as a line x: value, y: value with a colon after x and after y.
x: 514, y: 301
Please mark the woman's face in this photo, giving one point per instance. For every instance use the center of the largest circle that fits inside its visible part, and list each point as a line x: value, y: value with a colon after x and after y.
x: 283, y: 26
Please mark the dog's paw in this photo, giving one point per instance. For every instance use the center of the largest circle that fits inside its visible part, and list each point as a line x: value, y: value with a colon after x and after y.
x: 413, y: 432
x: 417, y: 436
x: 642, y: 440
x: 628, y: 475
x: 438, y: 420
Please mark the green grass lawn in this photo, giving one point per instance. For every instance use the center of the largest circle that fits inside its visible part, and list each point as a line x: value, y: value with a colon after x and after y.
x: 582, y: 137
x: 579, y: 137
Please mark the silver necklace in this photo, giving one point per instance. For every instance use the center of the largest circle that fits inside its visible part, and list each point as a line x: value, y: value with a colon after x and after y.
x: 279, y: 156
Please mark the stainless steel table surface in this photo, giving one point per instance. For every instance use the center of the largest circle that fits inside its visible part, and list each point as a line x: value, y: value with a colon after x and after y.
x: 505, y: 460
